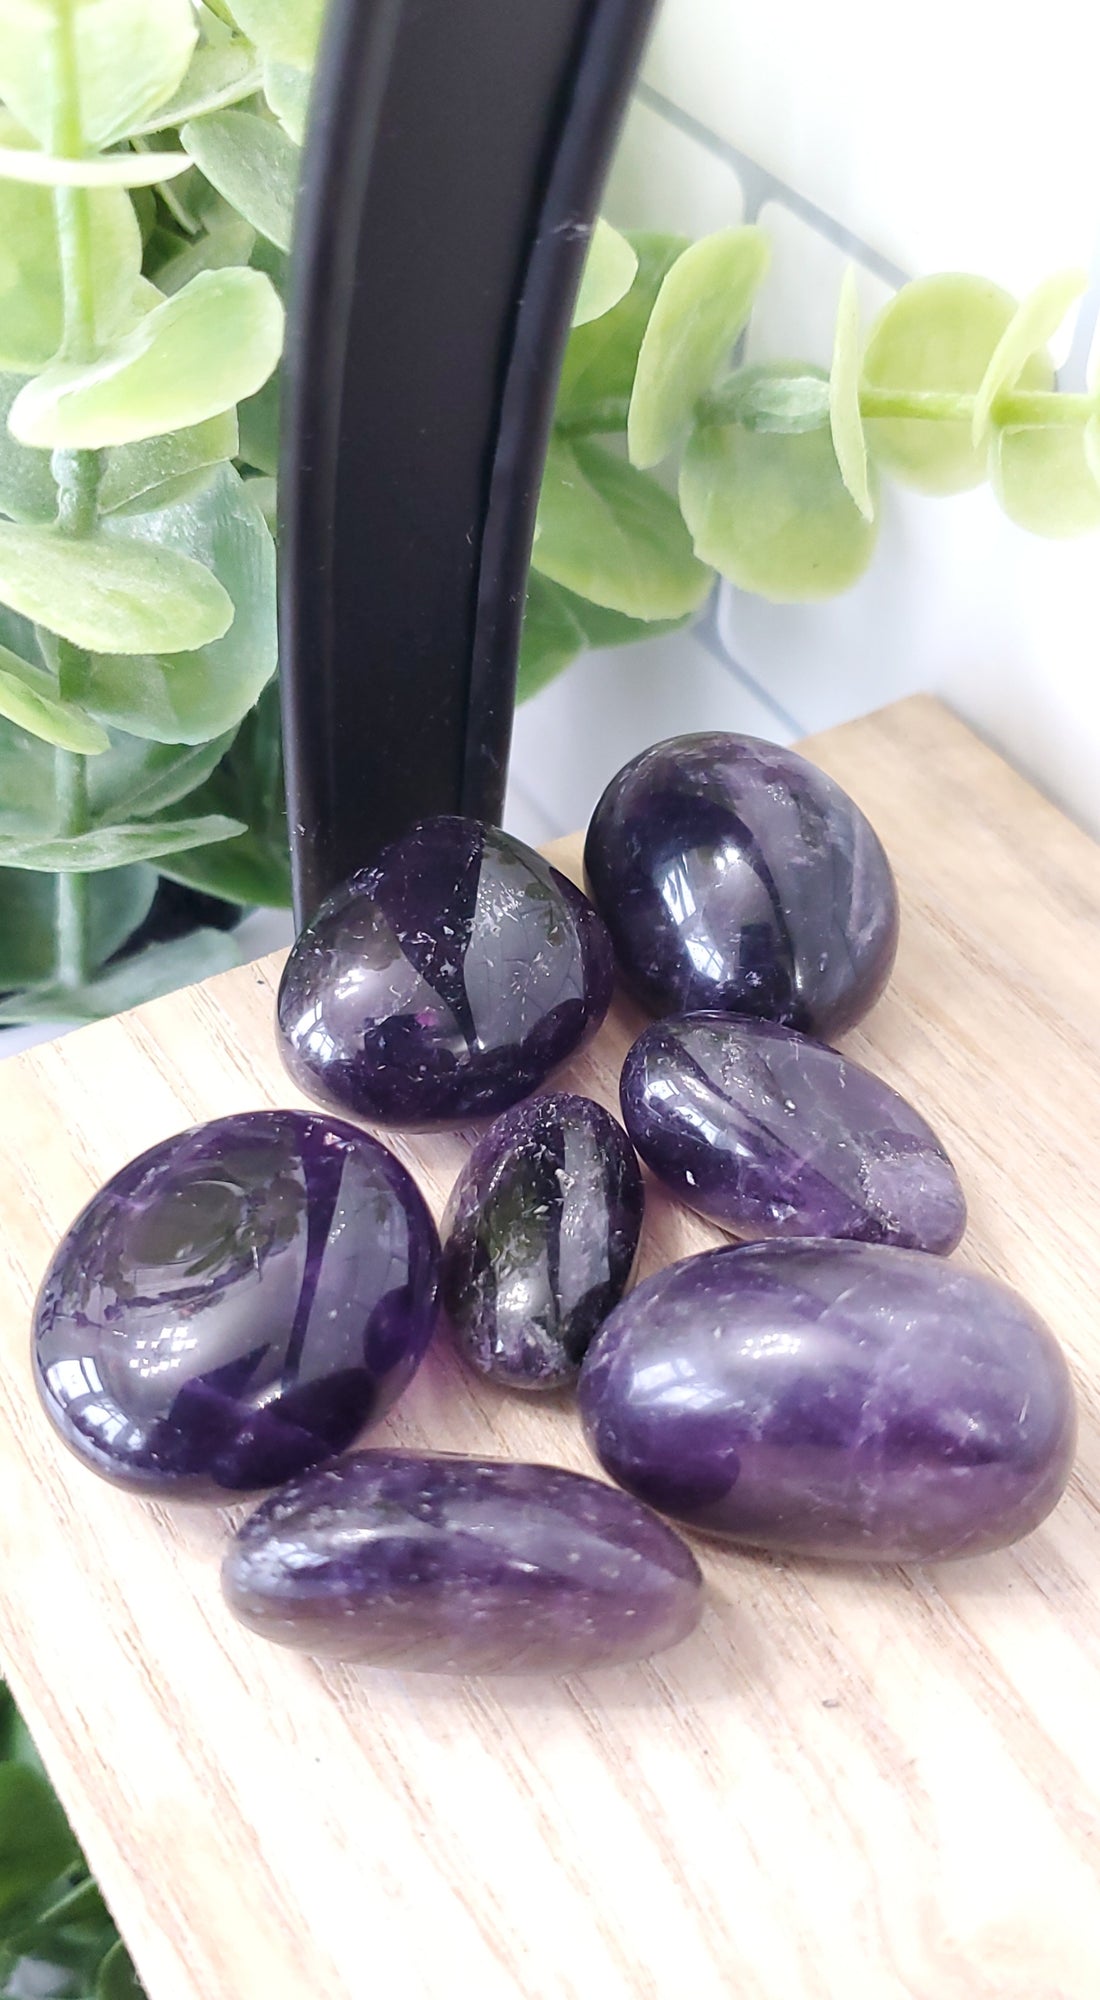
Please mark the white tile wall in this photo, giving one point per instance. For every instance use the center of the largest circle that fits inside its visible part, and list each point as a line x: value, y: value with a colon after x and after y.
x: 959, y: 136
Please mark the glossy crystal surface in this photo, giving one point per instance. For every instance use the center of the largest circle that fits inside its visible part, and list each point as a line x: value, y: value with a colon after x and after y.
x: 236, y: 1304
x: 771, y: 1134
x: 833, y: 1399
x: 444, y: 983
x: 733, y: 874
x: 540, y: 1238
x: 461, y: 1565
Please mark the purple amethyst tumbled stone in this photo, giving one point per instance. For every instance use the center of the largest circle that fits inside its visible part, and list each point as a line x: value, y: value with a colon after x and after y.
x: 833, y: 1399
x: 540, y: 1238
x: 732, y: 874
x: 771, y: 1134
x: 461, y: 1565
x: 445, y: 982
x: 236, y: 1305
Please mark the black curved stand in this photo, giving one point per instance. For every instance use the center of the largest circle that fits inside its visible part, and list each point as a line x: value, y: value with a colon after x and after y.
x: 455, y: 159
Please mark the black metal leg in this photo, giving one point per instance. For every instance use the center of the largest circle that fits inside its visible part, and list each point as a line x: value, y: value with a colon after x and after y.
x: 455, y: 160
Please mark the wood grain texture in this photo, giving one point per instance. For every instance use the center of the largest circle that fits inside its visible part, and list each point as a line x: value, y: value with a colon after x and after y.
x: 851, y: 1782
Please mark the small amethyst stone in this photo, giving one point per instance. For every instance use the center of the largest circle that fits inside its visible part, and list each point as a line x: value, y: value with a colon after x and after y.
x: 461, y: 1565
x: 444, y: 983
x: 236, y: 1305
x: 734, y: 875
x: 771, y: 1134
x: 833, y: 1399
x: 540, y: 1238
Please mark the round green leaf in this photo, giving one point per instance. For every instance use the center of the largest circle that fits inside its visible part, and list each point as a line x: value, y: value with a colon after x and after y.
x: 702, y: 306
x: 195, y: 355
x: 135, y: 779
x: 31, y: 310
x: 118, y: 901
x: 845, y: 419
x: 609, y: 271
x: 26, y: 782
x: 259, y: 419
x: 193, y: 696
x: 217, y: 76
x: 28, y: 491
x: 1035, y: 321
x: 287, y: 91
x: 251, y: 161
x: 35, y: 1840
x: 29, y: 697
x: 128, y: 58
x: 614, y: 535
x: 135, y: 475
x: 1043, y: 480
x: 286, y: 30
x: 105, y: 594
x: 148, y: 975
x: 558, y: 625
x: 771, y: 511
x: 938, y: 334
x: 113, y: 846
x: 601, y: 358
x: 123, y: 170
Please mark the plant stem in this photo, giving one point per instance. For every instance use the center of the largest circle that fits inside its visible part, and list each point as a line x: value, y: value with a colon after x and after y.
x: 72, y: 962
x: 1013, y: 409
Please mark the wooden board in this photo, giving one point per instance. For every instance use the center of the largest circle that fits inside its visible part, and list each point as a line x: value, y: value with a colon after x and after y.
x: 851, y: 1781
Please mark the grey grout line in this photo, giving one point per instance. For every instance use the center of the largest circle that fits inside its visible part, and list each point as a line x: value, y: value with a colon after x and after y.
x: 760, y: 186
x: 707, y: 634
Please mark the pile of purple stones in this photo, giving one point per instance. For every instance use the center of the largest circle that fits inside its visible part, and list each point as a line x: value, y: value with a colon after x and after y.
x: 234, y: 1308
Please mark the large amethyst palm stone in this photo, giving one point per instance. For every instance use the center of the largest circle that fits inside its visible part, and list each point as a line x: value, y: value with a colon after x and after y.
x: 446, y: 982
x: 540, y: 1238
x: 732, y: 874
x: 236, y: 1305
x: 833, y: 1399
x: 771, y: 1134
x: 461, y: 1565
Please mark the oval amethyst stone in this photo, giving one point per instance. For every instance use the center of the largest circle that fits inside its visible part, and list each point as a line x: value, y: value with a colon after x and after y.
x: 461, y: 1565
x: 771, y: 1134
x: 833, y: 1399
x: 444, y: 983
x: 539, y: 1239
x: 236, y: 1305
x: 732, y: 874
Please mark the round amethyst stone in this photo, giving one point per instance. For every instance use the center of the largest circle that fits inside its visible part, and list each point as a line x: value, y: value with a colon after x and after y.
x: 445, y: 982
x: 833, y: 1399
x: 540, y: 1238
x: 732, y: 874
x: 461, y: 1565
x: 771, y: 1134
x: 236, y: 1305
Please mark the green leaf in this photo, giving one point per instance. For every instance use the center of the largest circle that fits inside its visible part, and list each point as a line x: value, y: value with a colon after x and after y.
x: 177, y: 261
x: 16, y: 1742
x: 845, y: 420
x: 35, y: 1841
x: 1035, y: 321
x: 259, y: 421
x: 110, y: 594
x: 137, y: 778
x: 29, y: 697
x: 148, y: 975
x: 938, y: 333
x: 601, y: 358
x: 27, y: 488
x: 703, y: 305
x: 609, y: 271
x: 287, y: 91
x: 286, y: 30
x: 123, y: 170
x: 26, y: 782
x: 117, y: 1979
x: 129, y: 57
x: 136, y: 475
x: 558, y: 625
x: 194, y: 356
x: 31, y: 310
x: 119, y: 900
x: 114, y: 846
x: 254, y: 868
x: 760, y: 398
x: 190, y: 697
x: 771, y: 512
x: 217, y: 76
x: 613, y: 534
x: 251, y: 161
x: 1043, y: 480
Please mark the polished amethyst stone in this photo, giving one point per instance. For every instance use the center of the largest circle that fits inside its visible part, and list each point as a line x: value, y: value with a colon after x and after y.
x: 540, y: 1238
x: 733, y: 874
x: 444, y: 983
x: 833, y: 1399
x: 771, y: 1134
x: 236, y: 1305
x: 461, y: 1565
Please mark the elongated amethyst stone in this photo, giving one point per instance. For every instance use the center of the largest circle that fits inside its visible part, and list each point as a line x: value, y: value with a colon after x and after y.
x: 732, y: 874
x: 236, y: 1304
x: 833, y: 1399
x: 445, y: 982
x: 539, y: 1239
x: 461, y: 1565
x: 771, y: 1134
